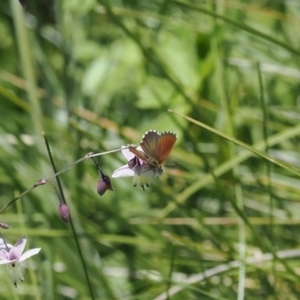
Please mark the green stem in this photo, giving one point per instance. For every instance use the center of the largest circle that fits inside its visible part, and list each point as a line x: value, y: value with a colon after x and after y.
x: 71, y: 222
x: 268, y: 165
x: 240, y: 143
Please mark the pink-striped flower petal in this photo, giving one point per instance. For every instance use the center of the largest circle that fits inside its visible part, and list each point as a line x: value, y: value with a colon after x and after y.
x: 17, y: 250
x: 123, y: 171
x: 128, y: 154
x: 5, y: 261
x: 3, y: 255
x: 29, y: 253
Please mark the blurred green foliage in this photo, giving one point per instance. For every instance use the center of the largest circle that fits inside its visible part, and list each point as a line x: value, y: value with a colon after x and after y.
x: 95, y: 75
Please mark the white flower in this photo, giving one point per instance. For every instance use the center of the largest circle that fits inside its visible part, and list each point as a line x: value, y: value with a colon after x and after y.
x: 139, y: 169
x: 12, y: 256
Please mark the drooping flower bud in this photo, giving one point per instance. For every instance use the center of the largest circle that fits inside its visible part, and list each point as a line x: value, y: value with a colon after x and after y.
x: 104, y: 184
x: 64, y: 212
x: 4, y: 226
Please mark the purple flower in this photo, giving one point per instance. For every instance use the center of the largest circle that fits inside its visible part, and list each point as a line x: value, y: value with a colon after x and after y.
x: 141, y: 171
x: 12, y: 256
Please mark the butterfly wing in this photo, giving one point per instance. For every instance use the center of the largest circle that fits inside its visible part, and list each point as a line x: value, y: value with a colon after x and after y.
x: 138, y: 153
x: 158, y: 146
x: 165, y: 145
x: 149, y: 143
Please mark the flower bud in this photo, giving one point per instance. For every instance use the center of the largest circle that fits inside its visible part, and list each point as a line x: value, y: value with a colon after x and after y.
x: 64, y: 212
x: 4, y: 225
x: 104, y: 184
x: 40, y: 182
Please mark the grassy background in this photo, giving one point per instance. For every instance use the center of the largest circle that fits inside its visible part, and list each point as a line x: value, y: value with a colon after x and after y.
x: 94, y: 75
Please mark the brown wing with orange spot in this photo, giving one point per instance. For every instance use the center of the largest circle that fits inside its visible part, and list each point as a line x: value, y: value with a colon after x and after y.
x: 165, y: 145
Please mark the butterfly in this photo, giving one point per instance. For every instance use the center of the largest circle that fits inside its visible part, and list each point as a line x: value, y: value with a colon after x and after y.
x: 156, y: 147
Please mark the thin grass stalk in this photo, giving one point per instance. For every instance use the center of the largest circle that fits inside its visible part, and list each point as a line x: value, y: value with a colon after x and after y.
x: 227, y: 165
x: 264, y: 243
x: 233, y: 151
x: 268, y: 166
x: 48, y: 70
x: 80, y: 253
x: 172, y: 264
x: 212, y: 221
x: 244, y: 145
x: 48, y: 275
x: 28, y: 69
x: 13, y: 98
x: 240, y: 26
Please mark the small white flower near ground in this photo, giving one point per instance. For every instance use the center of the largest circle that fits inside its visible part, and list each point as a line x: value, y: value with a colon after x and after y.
x: 12, y: 256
